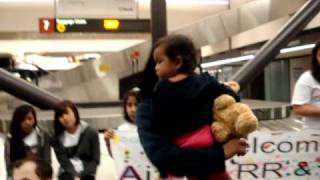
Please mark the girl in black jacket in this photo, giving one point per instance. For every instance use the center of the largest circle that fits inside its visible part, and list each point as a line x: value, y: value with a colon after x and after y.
x: 76, y: 144
x: 25, y: 138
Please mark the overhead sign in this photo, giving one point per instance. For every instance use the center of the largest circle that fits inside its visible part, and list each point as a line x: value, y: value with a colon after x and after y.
x: 46, y: 25
x: 111, y: 24
x: 290, y: 155
x: 102, y: 25
x: 96, y: 8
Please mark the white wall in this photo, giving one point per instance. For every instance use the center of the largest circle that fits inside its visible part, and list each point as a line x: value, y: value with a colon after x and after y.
x: 23, y: 17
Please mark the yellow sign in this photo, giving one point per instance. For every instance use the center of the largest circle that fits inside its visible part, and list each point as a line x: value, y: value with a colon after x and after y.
x: 116, y: 139
x: 104, y: 67
x: 111, y: 24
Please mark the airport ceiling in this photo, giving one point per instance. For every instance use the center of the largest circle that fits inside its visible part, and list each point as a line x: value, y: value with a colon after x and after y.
x: 19, y: 25
x: 19, y: 30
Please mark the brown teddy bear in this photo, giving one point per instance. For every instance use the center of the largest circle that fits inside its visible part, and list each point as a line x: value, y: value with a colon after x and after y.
x: 232, y: 119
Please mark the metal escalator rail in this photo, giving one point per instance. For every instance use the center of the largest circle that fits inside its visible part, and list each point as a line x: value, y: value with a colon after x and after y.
x: 271, y: 48
x: 26, y: 91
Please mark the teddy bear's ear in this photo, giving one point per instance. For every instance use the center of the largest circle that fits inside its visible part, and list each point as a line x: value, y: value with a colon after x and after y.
x: 233, y: 85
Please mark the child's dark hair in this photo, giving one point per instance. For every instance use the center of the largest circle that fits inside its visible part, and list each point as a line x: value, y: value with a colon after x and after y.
x: 61, y: 109
x: 18, y: 150
x: 315, y: 65
x: 125, y: 101
x: 180, y: 45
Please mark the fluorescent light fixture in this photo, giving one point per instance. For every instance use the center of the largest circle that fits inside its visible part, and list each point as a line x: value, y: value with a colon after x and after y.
x: 248, y: 57
x: 297, y: 48
x: 25, y: 66
x: 227, y: 61
x: 72, y: 45
x: 58, y: 66
x: 51, y: 63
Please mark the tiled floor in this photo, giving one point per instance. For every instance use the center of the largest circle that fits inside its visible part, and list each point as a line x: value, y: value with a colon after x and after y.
x: 106, y: 169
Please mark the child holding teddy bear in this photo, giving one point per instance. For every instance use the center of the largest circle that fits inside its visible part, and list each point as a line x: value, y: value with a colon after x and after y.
x: 183, y: 100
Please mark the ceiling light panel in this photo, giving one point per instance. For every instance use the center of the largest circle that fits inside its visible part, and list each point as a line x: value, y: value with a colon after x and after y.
x: 227, y: 61
x: 47, y: 46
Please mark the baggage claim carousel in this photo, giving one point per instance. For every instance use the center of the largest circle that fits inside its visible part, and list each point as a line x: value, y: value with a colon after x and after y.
x: 273, y: 116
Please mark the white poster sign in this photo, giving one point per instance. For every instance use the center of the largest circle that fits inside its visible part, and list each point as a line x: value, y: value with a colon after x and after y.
x: 96, y: 9
x: 130, y: 159
x: 290, y: 155
x: 3, y: 170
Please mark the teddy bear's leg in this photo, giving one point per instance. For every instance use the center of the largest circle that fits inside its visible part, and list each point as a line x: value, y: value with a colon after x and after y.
x: 220, y: 131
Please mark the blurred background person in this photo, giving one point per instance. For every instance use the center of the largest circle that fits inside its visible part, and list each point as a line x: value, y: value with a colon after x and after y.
x: 25, y: 138
x: 306, y: 95
x: 130, y: 102
x: 32, y: 168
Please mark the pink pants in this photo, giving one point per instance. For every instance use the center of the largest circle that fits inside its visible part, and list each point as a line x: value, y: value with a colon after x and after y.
x: 197, y: 139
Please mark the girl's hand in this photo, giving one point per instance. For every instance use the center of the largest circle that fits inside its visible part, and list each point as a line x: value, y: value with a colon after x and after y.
x: 235, y: 146
x: 108, y: 134
x: 77, y: 178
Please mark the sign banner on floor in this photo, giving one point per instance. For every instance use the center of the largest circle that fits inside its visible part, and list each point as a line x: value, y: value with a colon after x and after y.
x: 131, y: 161
x: 3, y: 171
x: 290, y: 155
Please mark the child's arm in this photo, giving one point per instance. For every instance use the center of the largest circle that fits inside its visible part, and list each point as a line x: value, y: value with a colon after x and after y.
x: 91, y: 163
x: 7, y: 156
x: 62, y: 158
x: 169, y: 158
x: 108, y: 134
x: 219, y: 89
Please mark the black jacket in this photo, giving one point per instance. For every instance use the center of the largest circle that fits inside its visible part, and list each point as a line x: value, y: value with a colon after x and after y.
x: 169, y: 158
x: 88, y: 151
x: 43, y: 149
x: 185, y: 106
